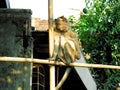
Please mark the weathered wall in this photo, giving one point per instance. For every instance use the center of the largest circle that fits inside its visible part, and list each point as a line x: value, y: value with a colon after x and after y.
x: 15, y: 25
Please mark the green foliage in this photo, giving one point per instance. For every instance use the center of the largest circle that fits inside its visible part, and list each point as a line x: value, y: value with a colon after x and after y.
x: 98, y: 31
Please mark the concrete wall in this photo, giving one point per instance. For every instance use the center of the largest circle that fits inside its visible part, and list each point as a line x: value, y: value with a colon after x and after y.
x: 15, y: 26
x: 85, y: 75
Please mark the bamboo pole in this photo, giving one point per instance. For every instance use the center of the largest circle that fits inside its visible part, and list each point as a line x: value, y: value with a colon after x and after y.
x: 44, y: 61
x: 50, y: 21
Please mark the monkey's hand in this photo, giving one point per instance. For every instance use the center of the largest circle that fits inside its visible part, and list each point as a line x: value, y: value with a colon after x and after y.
x: 52, y: 59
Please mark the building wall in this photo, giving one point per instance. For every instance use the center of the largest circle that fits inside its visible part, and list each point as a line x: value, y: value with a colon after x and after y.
x: 14, y: 30
x: 4, y: 4
x: 40, y: 24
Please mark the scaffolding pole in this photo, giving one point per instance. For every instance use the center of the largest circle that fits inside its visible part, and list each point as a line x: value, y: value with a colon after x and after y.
x: 53, y: 63
x: 50, y: 21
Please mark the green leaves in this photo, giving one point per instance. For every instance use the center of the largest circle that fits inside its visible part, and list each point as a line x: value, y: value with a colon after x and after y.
x: 98, y: 31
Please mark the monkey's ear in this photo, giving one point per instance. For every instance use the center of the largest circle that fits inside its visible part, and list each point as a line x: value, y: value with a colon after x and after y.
x: 55, y: 20
x: 63, y: 18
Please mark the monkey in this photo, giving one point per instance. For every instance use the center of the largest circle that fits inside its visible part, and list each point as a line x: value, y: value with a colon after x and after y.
x: 66, y: 46
x: 65, y: 39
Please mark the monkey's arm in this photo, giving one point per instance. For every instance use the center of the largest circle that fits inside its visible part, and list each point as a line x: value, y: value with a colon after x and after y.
x: 56, y: 47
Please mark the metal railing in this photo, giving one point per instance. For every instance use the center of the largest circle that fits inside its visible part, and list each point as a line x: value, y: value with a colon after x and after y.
x: 44, y: 61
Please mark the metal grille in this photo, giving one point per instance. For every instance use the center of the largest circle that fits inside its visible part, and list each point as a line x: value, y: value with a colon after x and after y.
x: 38, y: 78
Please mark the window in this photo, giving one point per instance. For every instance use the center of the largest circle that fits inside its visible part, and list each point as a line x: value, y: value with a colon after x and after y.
x: 38, y: 78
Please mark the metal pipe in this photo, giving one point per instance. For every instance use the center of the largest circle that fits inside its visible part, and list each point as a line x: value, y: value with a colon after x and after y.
x: 44, y: 61
x: 50, y: 21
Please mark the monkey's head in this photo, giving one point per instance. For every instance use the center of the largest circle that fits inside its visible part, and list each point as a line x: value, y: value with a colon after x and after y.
x: 61, y: 24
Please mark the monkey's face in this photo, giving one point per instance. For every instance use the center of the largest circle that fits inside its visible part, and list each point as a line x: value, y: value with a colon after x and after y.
x: 61, y: 25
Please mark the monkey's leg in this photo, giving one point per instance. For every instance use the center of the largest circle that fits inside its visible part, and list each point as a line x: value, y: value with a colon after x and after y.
x: 69, y: 52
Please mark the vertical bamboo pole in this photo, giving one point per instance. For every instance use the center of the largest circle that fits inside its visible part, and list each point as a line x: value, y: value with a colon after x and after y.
x: 50, y: 20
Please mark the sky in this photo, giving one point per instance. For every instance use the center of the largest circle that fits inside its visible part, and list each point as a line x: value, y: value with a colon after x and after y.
x: 40, y: 7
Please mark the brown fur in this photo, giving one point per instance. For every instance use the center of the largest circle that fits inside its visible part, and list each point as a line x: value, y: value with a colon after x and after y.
x: 66, y: 45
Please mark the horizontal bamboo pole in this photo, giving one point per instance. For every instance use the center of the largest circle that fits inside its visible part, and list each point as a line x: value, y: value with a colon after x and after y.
x: 44, y: 61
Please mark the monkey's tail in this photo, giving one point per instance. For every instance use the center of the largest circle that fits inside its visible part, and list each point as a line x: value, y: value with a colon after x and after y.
x: 67, y: 71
